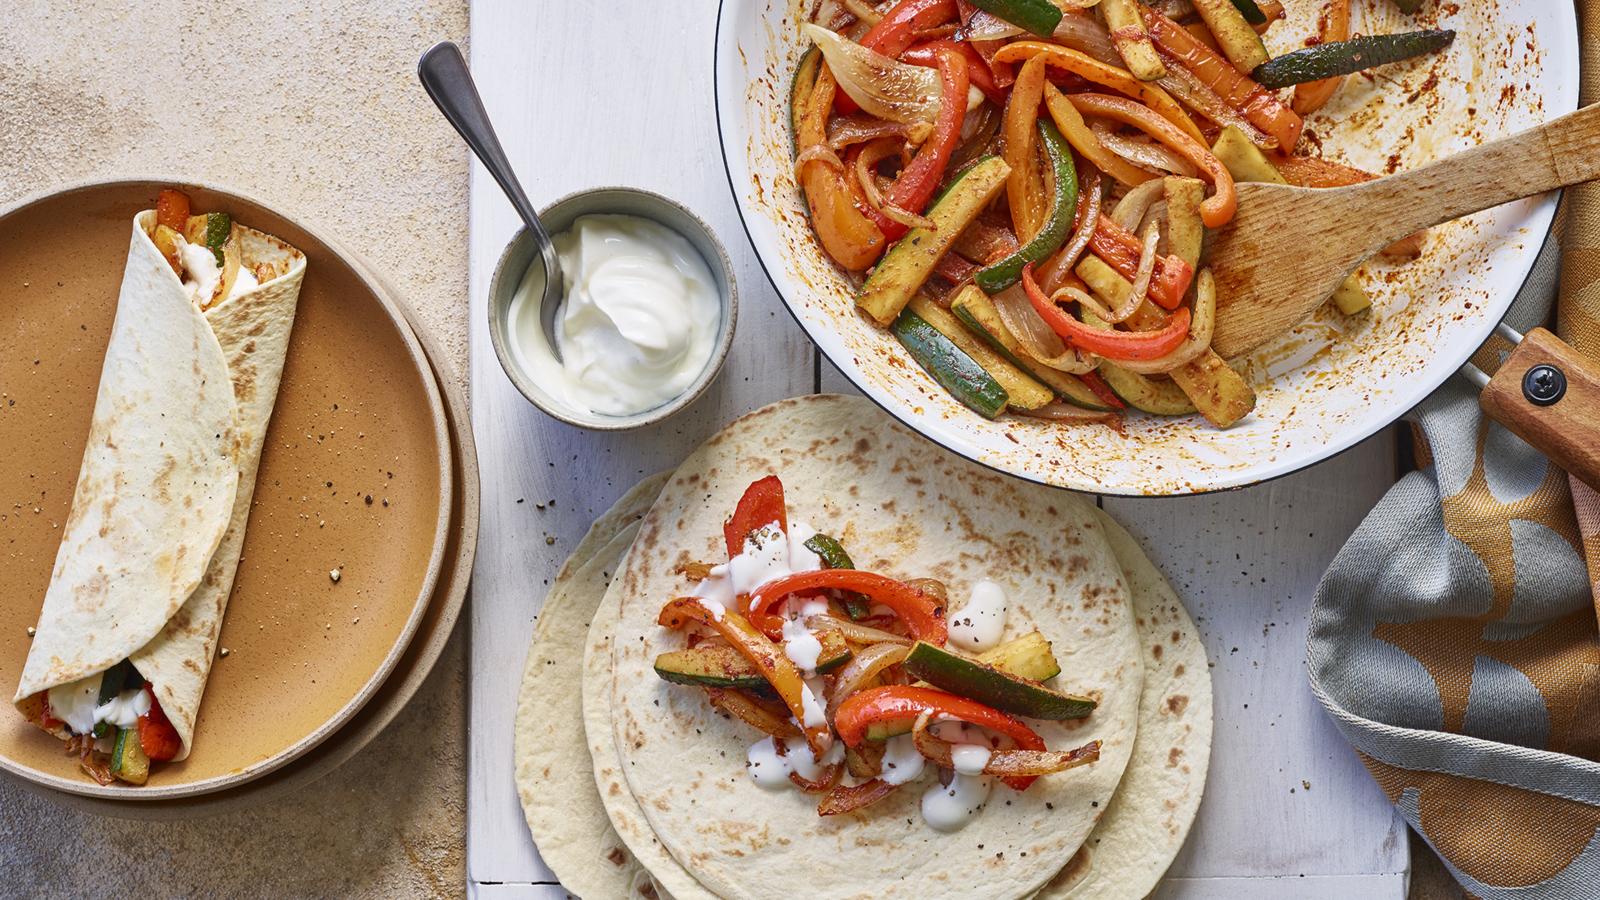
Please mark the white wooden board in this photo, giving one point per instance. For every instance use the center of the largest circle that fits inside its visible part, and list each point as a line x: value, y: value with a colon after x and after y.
x: 619, y: 92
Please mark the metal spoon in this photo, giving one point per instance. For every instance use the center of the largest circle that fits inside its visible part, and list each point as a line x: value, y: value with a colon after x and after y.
x: 444, y: 75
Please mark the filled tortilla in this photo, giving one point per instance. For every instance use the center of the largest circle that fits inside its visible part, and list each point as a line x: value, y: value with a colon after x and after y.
x: 907, y: 512
x: 130, y: 620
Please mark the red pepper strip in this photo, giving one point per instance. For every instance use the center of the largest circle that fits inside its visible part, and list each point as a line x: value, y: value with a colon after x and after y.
x: 927, y: 54
x: 761, y: 505
x: 157, y: 738
x: 902, y: 704
x: 1120, y: 249
x: 843, y: 799
x: 923, y: 615
x: 1103, y: 390
x: 768, y: 658
x: 914, y: 187
x: 1113, y: 345
x: 897, y: 30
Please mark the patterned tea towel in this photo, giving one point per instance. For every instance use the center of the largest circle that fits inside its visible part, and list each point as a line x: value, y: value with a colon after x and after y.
x: 1454, y: 641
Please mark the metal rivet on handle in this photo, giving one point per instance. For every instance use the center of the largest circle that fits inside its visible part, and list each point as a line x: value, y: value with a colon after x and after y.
x: 1544, y: 385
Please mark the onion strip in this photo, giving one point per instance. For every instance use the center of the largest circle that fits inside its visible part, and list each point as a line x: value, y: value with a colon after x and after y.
x: 1131, y: 209
x: 884, y: 87
x: 1055, y: 272
x: 855, y: 631
x: 847, y: 130
x: 1039, y: 341
x: 865, y: 667
x: 748, y: 710
x: 1198, y: 96
x: 1201, y: 329
x: 821, y: 153
x: 1067, y: 412
x: 843, y: 799
x: 1140, y: 152
x: 869, y: 157
x: 1004, y: 763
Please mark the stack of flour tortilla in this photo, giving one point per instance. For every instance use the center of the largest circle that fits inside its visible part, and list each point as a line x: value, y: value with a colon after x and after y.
x: 634, y: 787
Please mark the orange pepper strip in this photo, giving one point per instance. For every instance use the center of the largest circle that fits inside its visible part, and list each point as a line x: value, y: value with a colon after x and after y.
x: 1121, y: 80
x: 1083, y: 140
x: 1218, y: 209
x: 1257, y: 104
x: 1120, y: 249
x: 1113, y: 345
x: 768, y: 658
x: 1311, y: 96
x: 1025, y: 184
x: 848, y: 235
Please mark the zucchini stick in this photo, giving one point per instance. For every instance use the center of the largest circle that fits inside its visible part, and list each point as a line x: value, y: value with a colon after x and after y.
x: 1238, y: 40
x: 1132, y: 41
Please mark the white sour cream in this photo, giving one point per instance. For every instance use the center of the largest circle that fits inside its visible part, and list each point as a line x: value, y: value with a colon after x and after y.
x: 950, y: 808
x: 638, y: 324
x: 979, y: 625
x: 78, y: 704
x: 768, y: 555
x: 969, y: 759
x: 201, y: 274
x: 770, y: 769
x: 901, y: 761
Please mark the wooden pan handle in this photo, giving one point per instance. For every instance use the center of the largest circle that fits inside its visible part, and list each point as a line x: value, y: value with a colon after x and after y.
x: 1549, y: 395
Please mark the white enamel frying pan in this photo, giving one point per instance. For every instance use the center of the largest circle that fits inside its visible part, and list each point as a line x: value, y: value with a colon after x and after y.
x: 1322, y: 388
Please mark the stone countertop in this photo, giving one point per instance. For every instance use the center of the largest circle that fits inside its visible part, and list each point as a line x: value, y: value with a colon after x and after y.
x: 314, y: 108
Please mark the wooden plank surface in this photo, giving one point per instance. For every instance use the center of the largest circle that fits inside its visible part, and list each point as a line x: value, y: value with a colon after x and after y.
x: 575, y: 110
x: 585, y: 95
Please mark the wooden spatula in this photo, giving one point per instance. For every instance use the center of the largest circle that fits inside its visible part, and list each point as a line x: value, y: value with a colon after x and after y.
x: 1288, y: 248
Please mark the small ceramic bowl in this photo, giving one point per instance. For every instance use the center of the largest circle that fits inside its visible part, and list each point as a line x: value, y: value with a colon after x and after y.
x: 521, y: 253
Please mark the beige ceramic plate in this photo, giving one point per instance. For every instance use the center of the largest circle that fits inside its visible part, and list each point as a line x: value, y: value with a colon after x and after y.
x: 433, y: 633
x: 358, y: 415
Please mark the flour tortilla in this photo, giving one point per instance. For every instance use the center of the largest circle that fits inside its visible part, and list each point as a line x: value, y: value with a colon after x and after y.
x: 150, y: 549
x: 903, y: 508
x: 1149, y: 817
x: 553, y: 771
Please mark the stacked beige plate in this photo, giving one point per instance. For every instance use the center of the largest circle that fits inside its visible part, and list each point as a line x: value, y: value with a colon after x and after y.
x: 633, y: 785
x: 315, y: 665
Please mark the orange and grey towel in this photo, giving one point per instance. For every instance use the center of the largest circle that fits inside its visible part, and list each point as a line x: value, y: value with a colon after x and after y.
x: 1454, y: 638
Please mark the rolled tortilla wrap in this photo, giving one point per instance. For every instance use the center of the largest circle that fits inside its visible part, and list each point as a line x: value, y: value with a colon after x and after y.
x: 150, y: 549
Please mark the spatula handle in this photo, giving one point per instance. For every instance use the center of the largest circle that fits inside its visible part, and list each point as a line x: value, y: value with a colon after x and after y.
x: 1560, y: 152
x: 1549, y: 395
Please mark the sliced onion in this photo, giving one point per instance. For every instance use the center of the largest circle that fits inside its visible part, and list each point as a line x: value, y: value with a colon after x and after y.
x: 843, y: 799
x: 865, y: 667
x: 1004, y: 763
x: 821, y: 153
x: 1201, y: 328
x: 1072, y: 294
x: 858, y: 129
x: 1085, y: 34
x: 1066, y: 412
x: 1197, y: 95
x: 863, y: 11
x: 865, y: 761
x: 985, y: 125
x: 1130, y: 210
x: 1038, y: 340
x: 830, y: 774
x: 1053, y: 275
x: 984, y: 242
x: 752, y: 712
x: 1141, y: 278
x: 1142, y: 152
x: 882, y: 86
x: 933, y: 587
x: 986, y: 26
x: 870, y: 156
x: 856, y: 632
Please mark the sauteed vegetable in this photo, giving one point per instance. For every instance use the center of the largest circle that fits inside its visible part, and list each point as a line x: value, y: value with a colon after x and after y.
x: 1025, y: 185
x: 856, y: 679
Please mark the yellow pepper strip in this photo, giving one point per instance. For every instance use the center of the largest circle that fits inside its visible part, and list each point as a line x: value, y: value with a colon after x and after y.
x: 1120, y: 80
x: 1083, y: 140
x: 1025, y: 186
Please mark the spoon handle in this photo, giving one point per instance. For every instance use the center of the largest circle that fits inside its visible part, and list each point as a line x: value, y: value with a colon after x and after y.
x: 1549, y: 395
x: 1560, y: 152
x: 444, y: 75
